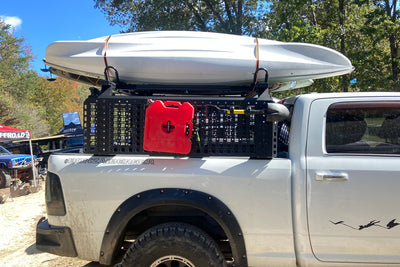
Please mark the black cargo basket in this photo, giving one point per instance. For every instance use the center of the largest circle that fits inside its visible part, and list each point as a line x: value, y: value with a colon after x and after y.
x: 115, y: 125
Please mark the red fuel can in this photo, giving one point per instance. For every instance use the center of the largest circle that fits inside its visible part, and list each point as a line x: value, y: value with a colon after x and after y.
x: 168, y: 127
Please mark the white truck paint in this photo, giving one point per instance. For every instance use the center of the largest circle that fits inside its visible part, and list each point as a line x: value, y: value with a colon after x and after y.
x: 311, y: 207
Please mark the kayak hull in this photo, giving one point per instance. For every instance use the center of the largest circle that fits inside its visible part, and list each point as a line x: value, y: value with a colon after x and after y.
x: 194, y: 58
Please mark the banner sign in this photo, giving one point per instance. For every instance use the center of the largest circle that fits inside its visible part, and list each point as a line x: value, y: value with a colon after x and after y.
x: 13, y: 134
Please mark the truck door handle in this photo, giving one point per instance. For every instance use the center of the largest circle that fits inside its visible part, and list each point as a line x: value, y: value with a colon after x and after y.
x: 325, y: 176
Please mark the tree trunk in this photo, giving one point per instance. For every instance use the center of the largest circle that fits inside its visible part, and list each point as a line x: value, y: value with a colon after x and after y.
x: 391, y: 11
x: 344, y: 80
x: 239, y: 17
x: 394, y: 52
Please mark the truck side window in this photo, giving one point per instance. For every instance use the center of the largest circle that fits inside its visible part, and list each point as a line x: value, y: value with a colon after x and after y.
x: 363, y: 127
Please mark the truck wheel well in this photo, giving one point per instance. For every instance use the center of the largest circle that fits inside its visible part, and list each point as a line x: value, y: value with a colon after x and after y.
x: 175, y: 213
x: 153, y: 207
x: 161, y: 214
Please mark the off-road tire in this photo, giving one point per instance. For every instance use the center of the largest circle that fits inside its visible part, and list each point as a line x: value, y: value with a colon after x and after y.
x: 173, y: 244
x: 5, y: 179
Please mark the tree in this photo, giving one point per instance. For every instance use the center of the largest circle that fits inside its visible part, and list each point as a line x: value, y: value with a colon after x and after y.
x: 14, y: 60
x: 27, y: 100
x: 383, y: 25
x: 55, y: 98
x: 341, y: 25
x: 5, y: 115
x: 228, y: 16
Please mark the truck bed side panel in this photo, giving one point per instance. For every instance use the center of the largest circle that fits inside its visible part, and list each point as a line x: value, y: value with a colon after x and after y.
x: 256, y: 191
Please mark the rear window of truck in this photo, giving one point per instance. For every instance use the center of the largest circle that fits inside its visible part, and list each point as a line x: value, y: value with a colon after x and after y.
x: 363, y: 127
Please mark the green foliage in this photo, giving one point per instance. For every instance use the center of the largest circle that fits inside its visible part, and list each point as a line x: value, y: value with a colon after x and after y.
x: 27, y: 100
x: 14, y: 61
x: 383, y: 23
x: 14, y: 57
x: 366, y: 31
x: 229, y: 16
x: 5, y: 113
x: 359, y: 29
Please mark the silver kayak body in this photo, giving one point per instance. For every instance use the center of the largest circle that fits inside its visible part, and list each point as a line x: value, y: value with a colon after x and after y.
x: 196, y: 58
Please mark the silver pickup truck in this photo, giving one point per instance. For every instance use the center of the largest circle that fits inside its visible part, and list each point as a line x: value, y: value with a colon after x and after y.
x: 330, y: 197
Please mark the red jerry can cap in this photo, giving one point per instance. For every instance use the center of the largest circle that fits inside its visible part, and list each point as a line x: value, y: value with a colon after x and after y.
x: 168, y: 127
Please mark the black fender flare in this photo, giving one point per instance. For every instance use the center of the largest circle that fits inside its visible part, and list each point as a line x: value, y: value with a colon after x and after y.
x: 174, y: 196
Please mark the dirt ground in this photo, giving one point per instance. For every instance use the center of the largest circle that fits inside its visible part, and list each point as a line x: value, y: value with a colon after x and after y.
x: 18, y: 219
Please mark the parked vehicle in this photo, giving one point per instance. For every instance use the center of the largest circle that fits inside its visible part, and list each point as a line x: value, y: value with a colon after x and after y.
x: 328, y: 197
x: 15, y: 165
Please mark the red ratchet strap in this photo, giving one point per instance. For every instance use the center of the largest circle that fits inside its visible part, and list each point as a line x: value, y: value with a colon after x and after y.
x: 105, y: 54
x: 257, y: 55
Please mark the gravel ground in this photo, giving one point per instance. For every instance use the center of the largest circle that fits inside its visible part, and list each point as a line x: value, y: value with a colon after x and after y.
x: 18, y: 219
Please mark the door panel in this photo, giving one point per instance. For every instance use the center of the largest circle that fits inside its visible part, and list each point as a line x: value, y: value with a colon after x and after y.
x: 354, y: 181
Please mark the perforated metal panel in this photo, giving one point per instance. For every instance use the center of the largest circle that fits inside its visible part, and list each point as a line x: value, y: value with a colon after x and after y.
x: 115, y: 125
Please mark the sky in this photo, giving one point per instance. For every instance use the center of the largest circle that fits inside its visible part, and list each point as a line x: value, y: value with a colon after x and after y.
x: 41, y: 22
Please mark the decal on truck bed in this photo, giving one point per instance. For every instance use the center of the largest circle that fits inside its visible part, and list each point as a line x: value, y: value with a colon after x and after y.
x: 109, y: 161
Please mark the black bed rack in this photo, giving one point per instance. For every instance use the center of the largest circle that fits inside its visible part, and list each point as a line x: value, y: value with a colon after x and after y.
x: 228, y: 120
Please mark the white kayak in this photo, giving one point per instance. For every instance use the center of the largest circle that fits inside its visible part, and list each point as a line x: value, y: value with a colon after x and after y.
x: 195, y: 58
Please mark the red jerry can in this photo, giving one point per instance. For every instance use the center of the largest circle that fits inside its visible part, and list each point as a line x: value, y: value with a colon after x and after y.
x: 168, y: 127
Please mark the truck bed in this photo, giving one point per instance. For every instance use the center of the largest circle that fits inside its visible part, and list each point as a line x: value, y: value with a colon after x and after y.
x: 98, y: 185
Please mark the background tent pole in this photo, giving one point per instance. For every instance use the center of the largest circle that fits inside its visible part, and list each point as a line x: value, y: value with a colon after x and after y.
x: 33, y: 163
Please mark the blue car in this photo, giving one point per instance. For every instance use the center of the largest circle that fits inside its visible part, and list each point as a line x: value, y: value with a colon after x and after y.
x: 14, y: 165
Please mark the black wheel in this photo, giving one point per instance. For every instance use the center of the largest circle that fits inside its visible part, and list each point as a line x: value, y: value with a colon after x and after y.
x: 173, y: 245
x: 5, y: 179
